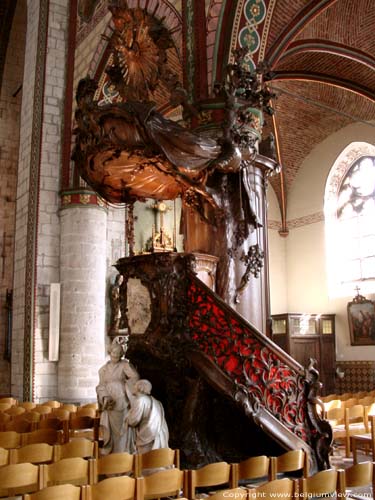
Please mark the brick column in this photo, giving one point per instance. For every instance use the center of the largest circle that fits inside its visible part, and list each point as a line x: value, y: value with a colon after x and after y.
x: 83, y: 284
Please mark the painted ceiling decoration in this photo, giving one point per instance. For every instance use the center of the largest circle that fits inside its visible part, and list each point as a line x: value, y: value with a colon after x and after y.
x: 321, y: 54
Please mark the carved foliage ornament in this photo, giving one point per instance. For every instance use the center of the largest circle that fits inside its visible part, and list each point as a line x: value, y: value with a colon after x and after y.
x: 139, y: 44
x: 253, y: 365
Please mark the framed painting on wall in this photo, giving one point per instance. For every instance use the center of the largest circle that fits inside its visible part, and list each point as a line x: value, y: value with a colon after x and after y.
x: 361, y: 317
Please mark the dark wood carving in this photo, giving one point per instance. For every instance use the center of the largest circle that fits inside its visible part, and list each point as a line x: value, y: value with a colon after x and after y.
x: 128, y: 151
x: 217, y: 376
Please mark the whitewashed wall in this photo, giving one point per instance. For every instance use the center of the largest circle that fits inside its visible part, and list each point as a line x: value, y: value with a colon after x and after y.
x: 306, y: 275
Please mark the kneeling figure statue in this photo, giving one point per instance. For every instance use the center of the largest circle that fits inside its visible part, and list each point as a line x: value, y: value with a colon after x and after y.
x: 146, y: 416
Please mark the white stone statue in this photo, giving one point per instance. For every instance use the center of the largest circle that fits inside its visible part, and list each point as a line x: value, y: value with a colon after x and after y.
x: 117, y: 379
x: 146, y: 416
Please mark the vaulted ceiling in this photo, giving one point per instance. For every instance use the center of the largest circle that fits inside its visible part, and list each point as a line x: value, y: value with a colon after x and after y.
x: 321, y: 51
x: 323, y: 54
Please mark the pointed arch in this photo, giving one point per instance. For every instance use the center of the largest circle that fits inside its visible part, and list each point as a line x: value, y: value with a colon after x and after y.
x: 350, y: 260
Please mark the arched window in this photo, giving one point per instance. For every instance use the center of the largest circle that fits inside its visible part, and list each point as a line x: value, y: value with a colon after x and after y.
x: 349, y: 208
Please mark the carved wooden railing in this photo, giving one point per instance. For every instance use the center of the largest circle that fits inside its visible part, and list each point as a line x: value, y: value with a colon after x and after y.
x: 274, y: 390
x: 191, y: 326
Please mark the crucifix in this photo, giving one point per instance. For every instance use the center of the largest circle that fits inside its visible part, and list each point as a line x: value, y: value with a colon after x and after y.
x: 161, y: 241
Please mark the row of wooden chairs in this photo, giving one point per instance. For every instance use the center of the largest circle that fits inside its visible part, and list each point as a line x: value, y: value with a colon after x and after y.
x: 368, y: 401
x: 34, y: 478
x: 348, y: 395
x: 322, y: 484
x: 254, y: 468
x: 173, y: 481
x: 18, y: 430
x: 28, y: 405
x: 38, y: 453
x: 41, y: 411
x: 115, y: 463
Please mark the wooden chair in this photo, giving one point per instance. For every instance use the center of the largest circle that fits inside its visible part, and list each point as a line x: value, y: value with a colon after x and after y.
x: 358, y: 475
x: 84, y: 427
x: 5, y: 406
x: 322, y: 483
x: 85, y: 412
x: 69, y: 407
x: 59, y: 413
x: 77, y: 471
x: 367, y: 440
x: 334, y: 403
x: 58, y: 425
x: 348, y: 403
x: 52, y: 404
x: 366, y: 401
x: 369, y: 412
x: 79, y: 447
x: 4, y: 457
x: 17, y: 479
x: 28, y: 405
x: 215, y: 474
x: 362, y: 394
x: 165, y: 483
x: 60, y: 492
x: 14, y: 411
x: 91, y: 405
x: 278, y: 488
x: 293, y: 461
x: 49, y: 436
x: 4, y: 418
x: 31, y: 416
x: 156, y: 459
x: 43, y: 409
x: 9, y: 400
x: 346, y: 396
x: 114, y: 463
x: 355, y: 423
x: 19, y: 426
x: 37, y: 453
x: 10, y: 439
x: 329, y: 397
x: 336, y: 417
x: 252, y: 469
x: 114, y: 488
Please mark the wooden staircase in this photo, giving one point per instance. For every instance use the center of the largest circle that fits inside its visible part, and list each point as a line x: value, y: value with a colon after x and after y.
x: 228, y: 391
